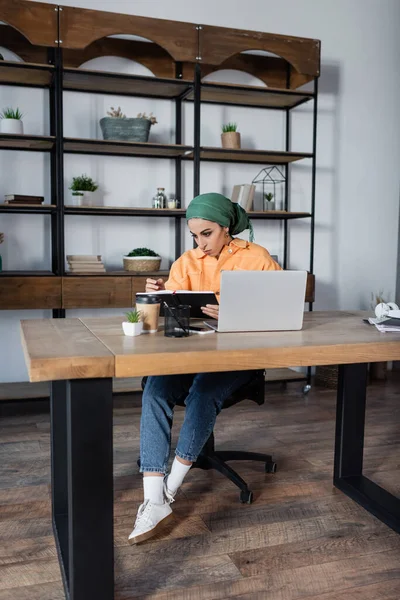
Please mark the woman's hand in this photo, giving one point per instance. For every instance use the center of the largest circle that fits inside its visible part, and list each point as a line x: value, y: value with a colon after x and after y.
x: 154, y: 285
x: 211, y: 310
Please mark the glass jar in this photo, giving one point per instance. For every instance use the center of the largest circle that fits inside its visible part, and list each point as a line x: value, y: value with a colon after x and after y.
x: 160, y: 199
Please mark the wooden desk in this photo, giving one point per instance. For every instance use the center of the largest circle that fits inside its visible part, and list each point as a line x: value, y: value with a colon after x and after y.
x: 80, y: 357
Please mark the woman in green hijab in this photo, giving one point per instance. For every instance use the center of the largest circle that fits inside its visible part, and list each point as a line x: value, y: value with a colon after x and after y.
x: 213, y: 220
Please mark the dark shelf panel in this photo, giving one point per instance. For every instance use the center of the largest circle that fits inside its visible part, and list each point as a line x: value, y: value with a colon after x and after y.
x: 25, y: 74
x: 123, y: 211
x: 33, y: 143
x: 100, y: 82
x: 278, y: 214
x: 252, y: 96
x: 118, y: 274
x: 111, y: 148
x: 244, y: 155
x: 27, y: 208
x: 177, y: 212
x: 27, y: 274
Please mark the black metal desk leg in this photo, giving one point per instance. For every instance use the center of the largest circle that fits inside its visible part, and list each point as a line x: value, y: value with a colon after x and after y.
x: 349, y: 447
x: 85, y: 533
x: 59, y: 471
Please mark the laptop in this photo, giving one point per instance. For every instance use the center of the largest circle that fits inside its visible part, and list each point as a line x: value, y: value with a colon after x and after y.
x: 261, y: 301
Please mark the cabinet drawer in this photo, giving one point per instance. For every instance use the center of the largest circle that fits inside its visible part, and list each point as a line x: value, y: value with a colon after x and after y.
x: 30, y: 292
x: 96, y: 292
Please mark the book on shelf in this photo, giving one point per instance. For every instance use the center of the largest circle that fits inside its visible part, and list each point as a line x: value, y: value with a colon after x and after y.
x: 100, y: 269
x: 244, y: 195
x: 22, y: 199
x: 84, y: 258
x: 88, y: 265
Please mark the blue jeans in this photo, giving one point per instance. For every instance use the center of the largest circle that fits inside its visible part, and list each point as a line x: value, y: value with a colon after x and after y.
x: 203, y: 394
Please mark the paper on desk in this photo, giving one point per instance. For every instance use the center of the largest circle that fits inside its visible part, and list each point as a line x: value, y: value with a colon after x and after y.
x: 385, y: 324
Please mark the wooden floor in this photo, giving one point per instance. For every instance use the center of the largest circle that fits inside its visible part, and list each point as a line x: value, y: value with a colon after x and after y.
x: 301, y: 538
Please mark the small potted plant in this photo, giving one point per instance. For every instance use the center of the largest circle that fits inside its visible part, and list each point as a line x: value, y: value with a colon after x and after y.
x: 142, y: 260
x: 133, y: 325
x: 11, y: 121
x: 117, y: 126
x: 230, y: 137
x: 83, y: 187
x: 269, y: 202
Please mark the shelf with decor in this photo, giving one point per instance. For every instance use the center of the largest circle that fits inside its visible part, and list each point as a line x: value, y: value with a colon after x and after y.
x: 229, y: 94
x: 180, y: 57
x: 126, y: 211
x: 119, y: 84
x: 249, y: 155
x: 26, y: 74
x: 27, y: 208
x: 114, y: 147
x: 32, y: 143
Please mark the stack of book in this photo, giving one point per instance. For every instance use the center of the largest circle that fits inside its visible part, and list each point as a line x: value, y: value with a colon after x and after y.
x: 244, y: 195
x: 85, y: 263
x: 22, y: 199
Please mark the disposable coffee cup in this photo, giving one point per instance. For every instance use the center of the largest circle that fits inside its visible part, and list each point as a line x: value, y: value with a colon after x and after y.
x: 149, y: 306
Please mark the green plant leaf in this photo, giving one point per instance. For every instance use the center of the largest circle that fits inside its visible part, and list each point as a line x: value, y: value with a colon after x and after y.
x: 142, y: 252
x: 133, y: 316
x: 228, y: 127
x: 11, y: 113
x: 83, y: 183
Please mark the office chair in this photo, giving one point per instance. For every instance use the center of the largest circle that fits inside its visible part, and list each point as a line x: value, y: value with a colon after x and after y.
x: 210, y: 458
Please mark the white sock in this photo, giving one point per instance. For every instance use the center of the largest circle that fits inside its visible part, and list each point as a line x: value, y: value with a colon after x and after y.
x: 153, y: 489
x: 177, y: 475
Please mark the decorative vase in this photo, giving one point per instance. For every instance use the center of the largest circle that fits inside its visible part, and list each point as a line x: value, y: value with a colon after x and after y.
x: 142, y: 264
x: 132, y: 329
x: 231, y: 139
x: 125, y: 130
x: 12, y: 126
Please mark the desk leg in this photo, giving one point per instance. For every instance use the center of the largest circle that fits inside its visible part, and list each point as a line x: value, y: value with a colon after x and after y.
x: 82, y: 486
x: 349, y: 447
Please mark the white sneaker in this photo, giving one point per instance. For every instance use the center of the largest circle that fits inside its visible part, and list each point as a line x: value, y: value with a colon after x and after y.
x: 149, y: 519
x: 168, y: 495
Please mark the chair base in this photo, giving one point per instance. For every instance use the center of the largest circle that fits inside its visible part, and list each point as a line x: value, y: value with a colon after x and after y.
x: 216, y: 459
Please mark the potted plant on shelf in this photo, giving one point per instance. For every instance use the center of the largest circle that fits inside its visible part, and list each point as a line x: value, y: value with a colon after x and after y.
x: 142, y: 260
x: 117, y: 126
x: 133, y: 325
x: 269, y: 202
x: 11, y: 121
x: 83, y: 187
x: 230, y: 137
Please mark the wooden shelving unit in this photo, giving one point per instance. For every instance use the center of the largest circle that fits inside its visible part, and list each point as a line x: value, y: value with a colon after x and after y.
x: 180, y: 57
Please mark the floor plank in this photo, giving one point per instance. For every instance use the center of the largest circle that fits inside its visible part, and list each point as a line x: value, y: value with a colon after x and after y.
x: 300, y: 539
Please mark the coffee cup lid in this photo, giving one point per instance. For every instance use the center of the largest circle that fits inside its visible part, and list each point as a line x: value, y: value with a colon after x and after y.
x: 150, y: 299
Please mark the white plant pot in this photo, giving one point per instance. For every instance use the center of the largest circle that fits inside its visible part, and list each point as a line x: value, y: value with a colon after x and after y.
x: 13, y: 126
x: 84, y: 199
x: 132, y: 329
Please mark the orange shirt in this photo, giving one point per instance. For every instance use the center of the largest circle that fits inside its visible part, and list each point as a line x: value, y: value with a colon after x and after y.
x: 197, y: 271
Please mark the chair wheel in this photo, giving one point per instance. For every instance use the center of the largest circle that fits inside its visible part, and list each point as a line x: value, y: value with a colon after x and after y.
x: 270, y: 467
x: 246, y: 497
x: 306, y: 389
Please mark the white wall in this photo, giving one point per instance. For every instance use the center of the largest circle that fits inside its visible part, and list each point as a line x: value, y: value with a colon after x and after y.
x: 358, y: 155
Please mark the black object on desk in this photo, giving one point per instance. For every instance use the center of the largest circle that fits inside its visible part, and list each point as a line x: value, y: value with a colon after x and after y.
x: 193, y: 299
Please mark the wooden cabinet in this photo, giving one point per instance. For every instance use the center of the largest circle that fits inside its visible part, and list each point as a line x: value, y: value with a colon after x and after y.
x: 96, y: 292
x: 26, y: 292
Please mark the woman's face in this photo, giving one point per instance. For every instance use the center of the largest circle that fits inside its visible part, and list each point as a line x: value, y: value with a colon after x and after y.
x: 209, y: 236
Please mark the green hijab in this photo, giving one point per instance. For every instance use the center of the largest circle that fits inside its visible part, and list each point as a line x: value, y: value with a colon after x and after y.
x: 219, y: 209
